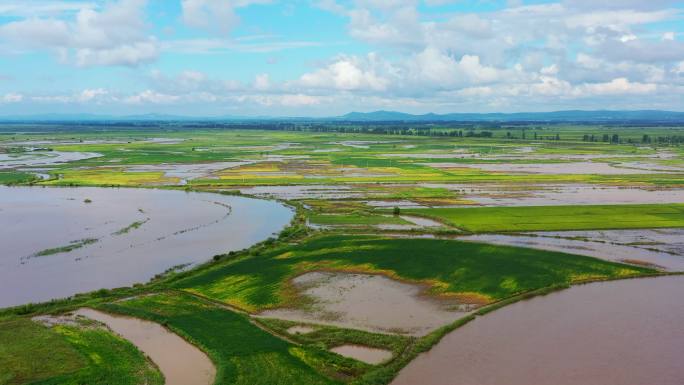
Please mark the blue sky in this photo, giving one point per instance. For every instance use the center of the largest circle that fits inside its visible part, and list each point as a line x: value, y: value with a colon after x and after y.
x: 329, y: 57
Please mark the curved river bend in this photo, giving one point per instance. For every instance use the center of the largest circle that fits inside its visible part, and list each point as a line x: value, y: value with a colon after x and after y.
x: 57, y: 242
x: 608, y: 333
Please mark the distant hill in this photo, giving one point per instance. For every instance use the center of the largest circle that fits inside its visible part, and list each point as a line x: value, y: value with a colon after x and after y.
x: 598, y: 116
x: 569, y: 116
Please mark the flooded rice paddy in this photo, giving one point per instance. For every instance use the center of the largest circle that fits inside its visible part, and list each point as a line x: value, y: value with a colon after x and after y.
x: 668, y: 240
x: 559, y: 194
x: 61, y: 241
x: 365, y: 354
x: 42, y: 158
x: 490, y: 194
x: 566, y: 168
x: 185, y: 172
x: 303, y: 192
x: 661, y: 249
x: 180, y: 362
x: 415, y: 223
x: 368, y: 302
x: 607, y: 333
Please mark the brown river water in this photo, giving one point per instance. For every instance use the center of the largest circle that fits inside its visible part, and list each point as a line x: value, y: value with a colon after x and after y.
x: 609, y: 333
x: 180, y: 361
x: 368, y: 302
x: 138, y: 233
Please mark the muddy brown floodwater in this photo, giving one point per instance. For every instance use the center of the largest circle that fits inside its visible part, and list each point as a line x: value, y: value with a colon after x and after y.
x: 649, y: 254
x: 369, y: 302
x: 53, y: 244
x: 607, y: 333
x: 365, y: 354
x: 180, y: 362
x: 559, y: 194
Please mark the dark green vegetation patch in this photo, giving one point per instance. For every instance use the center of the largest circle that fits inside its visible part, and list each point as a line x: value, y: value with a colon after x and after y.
x: 13, y: 177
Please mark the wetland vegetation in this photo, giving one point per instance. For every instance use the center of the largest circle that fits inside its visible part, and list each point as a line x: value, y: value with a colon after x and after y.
x: 379, y: 212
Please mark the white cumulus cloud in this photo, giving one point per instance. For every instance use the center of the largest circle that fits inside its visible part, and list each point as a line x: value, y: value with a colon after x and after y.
x: 112, y: 35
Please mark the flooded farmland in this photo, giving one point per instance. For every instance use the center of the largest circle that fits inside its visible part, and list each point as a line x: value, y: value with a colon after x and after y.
x: 670, y: 241
x: 185, y: 172
x: 667, y: 255
x: 61, y: 241
x: 363, y: 353
x: 42, y: 158
x: 607, y: 333
x: 559, y: 194
x: 369, y: 302
x: 568, y: 168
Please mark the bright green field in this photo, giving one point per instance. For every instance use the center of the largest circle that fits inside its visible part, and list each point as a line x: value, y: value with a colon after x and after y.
x: 552, y: 218
x: 476, y: 271
x: 69, y: 355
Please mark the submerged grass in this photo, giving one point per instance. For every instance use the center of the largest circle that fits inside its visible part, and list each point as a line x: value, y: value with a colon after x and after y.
x: 133, y: 226
x: 65, y: 249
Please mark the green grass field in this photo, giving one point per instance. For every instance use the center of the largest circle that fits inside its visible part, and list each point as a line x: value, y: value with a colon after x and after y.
x: 473, y: 271
x: 69, y: 355
x: 12, y: 177
x: 553, y: 218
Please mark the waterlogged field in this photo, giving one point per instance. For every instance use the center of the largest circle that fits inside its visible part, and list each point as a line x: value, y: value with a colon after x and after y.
x: 469, y: 272
x: 399, y: 239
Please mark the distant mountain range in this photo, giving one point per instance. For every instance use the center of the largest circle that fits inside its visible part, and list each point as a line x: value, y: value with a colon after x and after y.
x: 568, y: 116
x: 596, y: 116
